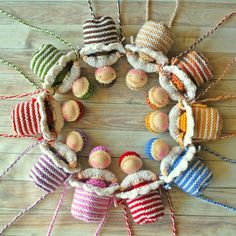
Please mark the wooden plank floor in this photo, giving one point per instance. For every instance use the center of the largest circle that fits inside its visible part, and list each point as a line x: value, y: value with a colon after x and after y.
x: 115, y: 116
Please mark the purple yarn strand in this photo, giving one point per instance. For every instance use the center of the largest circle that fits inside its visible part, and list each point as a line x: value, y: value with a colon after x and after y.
x: 22, y: 213
x: 18, y: 158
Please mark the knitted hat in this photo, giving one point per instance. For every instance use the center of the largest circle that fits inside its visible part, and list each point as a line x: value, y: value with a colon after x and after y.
x: 127, y: 155
x: 152, y: 43
x: 185, y: 75
x: 54, y: 69
x: 41, y: 116
x: 194, y: 121
x: 100, y: 38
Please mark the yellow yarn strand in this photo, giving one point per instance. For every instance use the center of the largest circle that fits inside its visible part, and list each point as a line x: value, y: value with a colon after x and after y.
x: 147, y: 9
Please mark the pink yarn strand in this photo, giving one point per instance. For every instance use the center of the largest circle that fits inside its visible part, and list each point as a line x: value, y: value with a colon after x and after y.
x: 18, y: 158
x: 22, y: 213
x: 22, y: 95
x: 172, y: 214
x: 127, y: 224
x: 57, y: 209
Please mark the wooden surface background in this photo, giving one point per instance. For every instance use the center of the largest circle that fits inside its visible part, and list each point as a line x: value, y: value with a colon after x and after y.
x: 115, y: 117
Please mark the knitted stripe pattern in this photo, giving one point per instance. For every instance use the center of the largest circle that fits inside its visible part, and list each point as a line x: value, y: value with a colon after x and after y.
x: 44, y: 59
x: 100, y: 30
x: 195, y: 178
x: 207, y: 123
x: 147, y: 208
x: 156, y: 36
x: 46, y: 175
x: 196, y: 66
x: 26, y: 118
x: 89, y: 206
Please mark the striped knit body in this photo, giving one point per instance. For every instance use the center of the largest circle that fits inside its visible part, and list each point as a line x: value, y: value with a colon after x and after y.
x: 207, y: 122
x: 44, y: 59
x: 146, y: 209
x: 89, y: 206
x: 195, y: 178
x: 26, y: 118
x: 100, y: 30
x: 156, y: 36
x: 46, y: 175
x: 196, y: 67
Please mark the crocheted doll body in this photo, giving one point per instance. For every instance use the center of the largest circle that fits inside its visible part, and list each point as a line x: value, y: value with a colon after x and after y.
x: 185, y: 170
x: 185, y: 75
x: 190, y: 122
x: 94, y: 188
x: 140, y: 190
x: 54, y: 166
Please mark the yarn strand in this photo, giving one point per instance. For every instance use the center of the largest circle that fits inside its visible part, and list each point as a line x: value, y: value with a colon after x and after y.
x: 122, y: 36
x: 18, y: 158
x: 217, y: 98
x: 230, y: 208
x: 4, y: 62
x: 172, y: 214
x: 22, y: 213
x: 147, y: 9
x: 218, y: 155
x: 225, y: 19
x: 57, y: 209
x: 3, y: 12
x: 91, y: 9
x: 127, y: 220
x: 174, y: 14
x: 226, y: 70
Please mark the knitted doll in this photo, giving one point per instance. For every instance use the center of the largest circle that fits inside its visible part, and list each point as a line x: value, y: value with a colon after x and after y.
x: 94, y: 188
x: 51, y: 171
x: 102, y: 47
x: 148, y: 52
x: 55, y: 70
x: 140, y: 190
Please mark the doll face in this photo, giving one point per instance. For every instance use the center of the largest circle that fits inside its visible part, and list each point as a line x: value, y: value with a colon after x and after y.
x: 131, y: 165
x: 100, y: 160
x: 74, y: 141
x: 105, y: 73
x: 160, y: 150
x: 137, y: 77
x: 70, y: 110
x: 161, y: 96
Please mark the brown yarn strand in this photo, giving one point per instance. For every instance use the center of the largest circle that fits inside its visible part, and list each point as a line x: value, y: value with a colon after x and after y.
x: 174, y: 14
x: 91, y: 9
x: 225, y: 19
x: 226, y: 70
x: 122, y: 36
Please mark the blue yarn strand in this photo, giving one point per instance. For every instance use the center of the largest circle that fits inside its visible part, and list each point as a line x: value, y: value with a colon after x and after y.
x: 230, y: 208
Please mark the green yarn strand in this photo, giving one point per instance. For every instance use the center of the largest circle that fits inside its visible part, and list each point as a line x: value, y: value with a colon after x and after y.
x: 40, y: 30
x: 4, y: 62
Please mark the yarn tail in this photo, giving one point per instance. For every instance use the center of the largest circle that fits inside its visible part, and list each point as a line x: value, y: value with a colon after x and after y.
x: 218, y: 155
x: 22, y: 213
x: 18, y: 158
x: 127, y: 224
x: 57, y: 209
x: 230, y: 208
x: 172, y: 214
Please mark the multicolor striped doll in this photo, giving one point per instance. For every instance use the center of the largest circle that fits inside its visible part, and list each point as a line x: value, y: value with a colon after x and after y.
x: 140, y: 191
x: 189, y: 70
x: 148, y: 53
x: 94, y: 189
x: 102, y: 46
x: 184, y: 169
x: 56, y: 164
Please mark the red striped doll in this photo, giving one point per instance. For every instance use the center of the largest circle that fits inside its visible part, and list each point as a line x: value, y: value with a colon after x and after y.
x: 140, y: 189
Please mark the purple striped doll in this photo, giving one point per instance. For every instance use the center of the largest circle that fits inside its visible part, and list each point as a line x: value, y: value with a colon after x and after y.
x: 52, y: 170
x: 94, y: 189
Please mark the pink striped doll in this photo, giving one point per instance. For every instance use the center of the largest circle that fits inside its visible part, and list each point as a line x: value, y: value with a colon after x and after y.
x: 94, y: 189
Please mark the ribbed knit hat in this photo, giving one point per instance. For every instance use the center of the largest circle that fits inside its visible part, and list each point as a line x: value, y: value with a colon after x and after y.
x: 55, y: 69
x: 100, y: 37
x: 128, y: 154
x: 194, y: 122
x: 41, y: 116
x: 185, y: 75
x: 152, y: 43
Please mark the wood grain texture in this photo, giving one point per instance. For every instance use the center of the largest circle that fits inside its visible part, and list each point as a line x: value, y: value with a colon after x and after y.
x: 115, y: 116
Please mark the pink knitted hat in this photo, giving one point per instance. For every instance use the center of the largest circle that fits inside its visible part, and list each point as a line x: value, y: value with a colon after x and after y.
x: 100, y: 148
